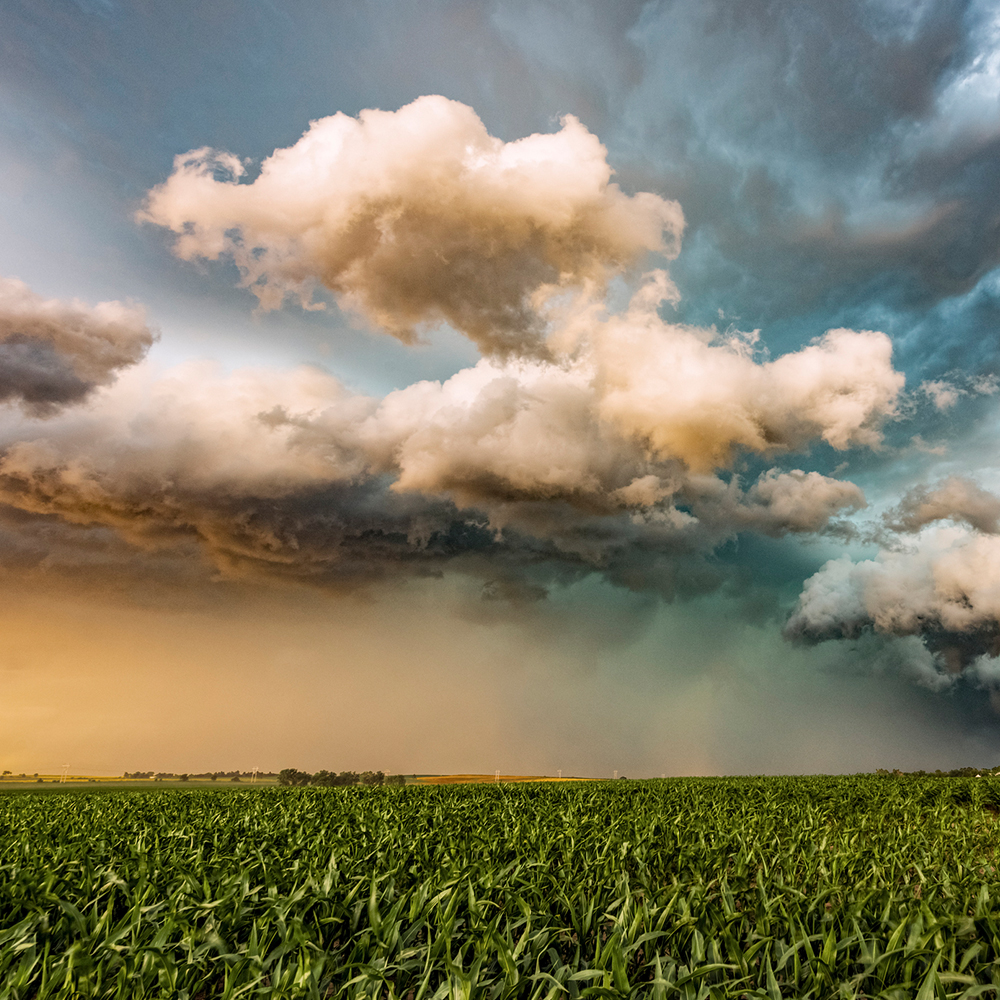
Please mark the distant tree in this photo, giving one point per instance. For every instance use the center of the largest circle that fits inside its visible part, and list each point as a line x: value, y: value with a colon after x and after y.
x: 324, y: 779
x: 184, y: 777
x: 347, y: 778
x: 215, y: 776
x: 396, y: 780
x: 235, y: 777
x: 372, y: 777
x: 293, y: 776
x: 6, y: 772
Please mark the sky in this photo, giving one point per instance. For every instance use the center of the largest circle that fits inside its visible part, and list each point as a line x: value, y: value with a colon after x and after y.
x: 523, y: 386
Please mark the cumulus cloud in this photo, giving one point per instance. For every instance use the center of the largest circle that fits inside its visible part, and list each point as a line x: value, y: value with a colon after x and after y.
x: 799, y: 502
x: 636, y: 410
x: 945, y: 588
x: 419, y: 216
x: 936, y: 586
x: 944, y: 395
x: 955, y: 499
x: 699, y: 401
x: 54, y: 353
x: 294, y: 474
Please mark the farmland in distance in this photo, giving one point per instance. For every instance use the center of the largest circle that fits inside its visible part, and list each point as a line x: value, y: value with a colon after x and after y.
x: 690, y: 888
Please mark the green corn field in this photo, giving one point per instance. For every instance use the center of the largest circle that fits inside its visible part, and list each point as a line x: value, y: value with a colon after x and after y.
x: 684, y: 888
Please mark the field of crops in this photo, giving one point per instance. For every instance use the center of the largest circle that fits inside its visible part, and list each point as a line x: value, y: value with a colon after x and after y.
x: 687, y: 888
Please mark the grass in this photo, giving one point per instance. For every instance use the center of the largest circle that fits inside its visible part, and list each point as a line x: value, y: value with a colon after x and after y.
x: 685, y: 888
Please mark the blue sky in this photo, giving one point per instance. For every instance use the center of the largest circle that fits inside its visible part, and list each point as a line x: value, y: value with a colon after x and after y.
x: 564, y: 532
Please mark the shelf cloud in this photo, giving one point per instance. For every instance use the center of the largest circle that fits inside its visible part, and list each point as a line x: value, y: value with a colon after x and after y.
x: 612, y: 457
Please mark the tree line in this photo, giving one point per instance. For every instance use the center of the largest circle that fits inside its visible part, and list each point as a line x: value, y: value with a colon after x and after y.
x: 329, y: 779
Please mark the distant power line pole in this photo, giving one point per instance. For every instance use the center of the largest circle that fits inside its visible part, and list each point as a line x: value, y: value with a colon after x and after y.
x: 62, y: 780
x: 497, y: 778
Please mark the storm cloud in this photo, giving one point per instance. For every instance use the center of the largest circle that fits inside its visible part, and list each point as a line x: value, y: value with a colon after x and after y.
x: 582, y: 464
x: 497, y: 406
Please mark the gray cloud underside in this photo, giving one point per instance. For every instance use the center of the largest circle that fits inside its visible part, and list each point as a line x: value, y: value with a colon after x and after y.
x: 349, y: 534
x: 55, y: 354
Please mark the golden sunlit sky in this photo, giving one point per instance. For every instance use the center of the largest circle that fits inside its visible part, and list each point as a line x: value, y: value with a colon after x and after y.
x: 519, y: 386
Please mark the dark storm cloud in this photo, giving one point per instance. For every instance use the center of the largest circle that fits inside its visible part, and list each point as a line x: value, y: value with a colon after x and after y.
x: 359, y: 531
x: 827, y: 155
x: 38, y: 376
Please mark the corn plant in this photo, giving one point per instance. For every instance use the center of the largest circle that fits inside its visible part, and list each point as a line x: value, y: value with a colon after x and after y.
x: 682, y: 889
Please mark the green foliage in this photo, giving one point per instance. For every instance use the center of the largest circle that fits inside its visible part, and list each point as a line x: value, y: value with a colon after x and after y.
x: 688, y: 888
x: 292, y: 776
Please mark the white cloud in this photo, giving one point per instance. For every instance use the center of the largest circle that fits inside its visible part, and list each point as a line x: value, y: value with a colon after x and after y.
x: 944, y: 587
x: 419, y: 216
